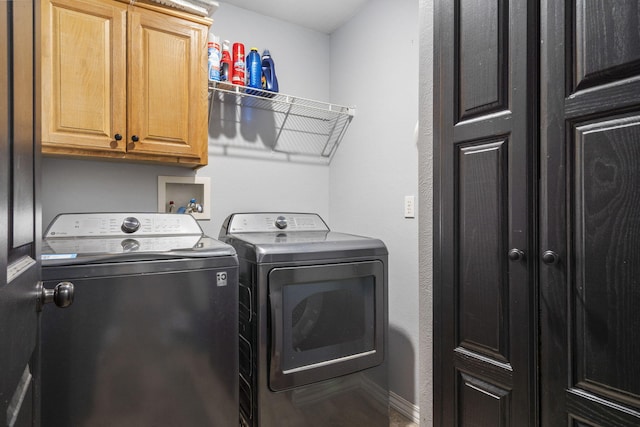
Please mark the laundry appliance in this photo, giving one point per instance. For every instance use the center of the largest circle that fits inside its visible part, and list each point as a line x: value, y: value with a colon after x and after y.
x: 313, y: 322
x: 152, y: 335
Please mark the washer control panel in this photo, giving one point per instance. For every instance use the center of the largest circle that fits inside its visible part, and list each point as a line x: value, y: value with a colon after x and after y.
x: 122, y: 224
x: 266, y: 222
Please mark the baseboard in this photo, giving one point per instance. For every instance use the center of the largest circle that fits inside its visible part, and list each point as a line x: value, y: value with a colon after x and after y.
x: 404, y: 407
x: 374, y: 390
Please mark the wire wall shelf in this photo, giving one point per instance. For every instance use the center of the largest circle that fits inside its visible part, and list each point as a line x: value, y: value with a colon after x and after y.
x: 252, y: 122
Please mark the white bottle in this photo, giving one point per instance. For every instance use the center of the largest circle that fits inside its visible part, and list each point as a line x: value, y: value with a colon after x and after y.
x: 213, y: 53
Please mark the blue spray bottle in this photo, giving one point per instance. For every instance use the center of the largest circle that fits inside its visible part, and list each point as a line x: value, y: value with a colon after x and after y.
x: 253, y: 69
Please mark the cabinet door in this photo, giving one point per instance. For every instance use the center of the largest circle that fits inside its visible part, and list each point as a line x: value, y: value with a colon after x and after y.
x: 167, y: 89
x: 484, y: 307
x: 589, y: 211
x: 83, y: 76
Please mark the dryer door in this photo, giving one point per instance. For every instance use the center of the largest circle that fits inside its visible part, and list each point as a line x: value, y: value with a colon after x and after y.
x: 326, y: 321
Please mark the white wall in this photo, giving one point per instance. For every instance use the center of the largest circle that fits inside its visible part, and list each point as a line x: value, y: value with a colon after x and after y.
x: 374, y: 65
x: 98, y: 186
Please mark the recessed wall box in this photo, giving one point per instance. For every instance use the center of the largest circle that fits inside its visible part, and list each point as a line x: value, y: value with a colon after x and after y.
x: 181, y: 189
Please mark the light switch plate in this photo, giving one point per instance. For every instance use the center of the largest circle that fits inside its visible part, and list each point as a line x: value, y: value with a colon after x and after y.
x: 409, y: 207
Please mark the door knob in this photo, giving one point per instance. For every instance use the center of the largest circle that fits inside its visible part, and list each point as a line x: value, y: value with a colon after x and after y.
x: 118, y: 137
x: 516, y: 254
x: 550, y: 257
x: 135, y: 138
x: 61, y: 295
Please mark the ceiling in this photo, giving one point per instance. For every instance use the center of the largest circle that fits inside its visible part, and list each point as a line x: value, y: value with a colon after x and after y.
x: 325, y: 16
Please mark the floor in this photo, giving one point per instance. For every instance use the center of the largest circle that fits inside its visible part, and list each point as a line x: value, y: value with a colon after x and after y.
x: 398, y: 420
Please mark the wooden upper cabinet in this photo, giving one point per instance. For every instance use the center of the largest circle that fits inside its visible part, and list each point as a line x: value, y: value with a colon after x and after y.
x: 167, y: 95
x: 124, y: 82
x: 83, y: 76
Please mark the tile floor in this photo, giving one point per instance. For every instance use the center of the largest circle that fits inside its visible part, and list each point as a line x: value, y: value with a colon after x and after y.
x: 398, y: 420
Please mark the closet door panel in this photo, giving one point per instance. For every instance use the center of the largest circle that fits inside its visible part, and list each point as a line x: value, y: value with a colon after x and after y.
x: 607, y: 42
x: 483, y: 283
x: 482, y: 56
x: 607, y: 255
x: 484, y: 403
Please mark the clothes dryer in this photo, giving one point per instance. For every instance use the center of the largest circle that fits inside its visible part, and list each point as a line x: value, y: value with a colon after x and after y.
x: 313, y: 322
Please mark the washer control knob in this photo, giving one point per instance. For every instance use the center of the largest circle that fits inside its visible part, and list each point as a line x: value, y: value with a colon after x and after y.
x: 130, y: 224
x: 281, y: 222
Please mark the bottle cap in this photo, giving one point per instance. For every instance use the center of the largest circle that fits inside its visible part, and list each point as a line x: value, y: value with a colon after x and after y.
x: 254, y: 48
x: 266, y: 52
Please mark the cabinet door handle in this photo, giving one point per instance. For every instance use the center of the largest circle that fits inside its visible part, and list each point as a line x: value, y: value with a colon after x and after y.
x: 550, y: 257
x: 516, y: 254
x: 118, y: 137
x: 135, y: 138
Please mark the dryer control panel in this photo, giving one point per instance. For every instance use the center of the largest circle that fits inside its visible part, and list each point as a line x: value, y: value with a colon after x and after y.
x: 264, y: 222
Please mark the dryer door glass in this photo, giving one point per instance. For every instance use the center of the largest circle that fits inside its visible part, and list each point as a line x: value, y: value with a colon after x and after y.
x: 327, y: 321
